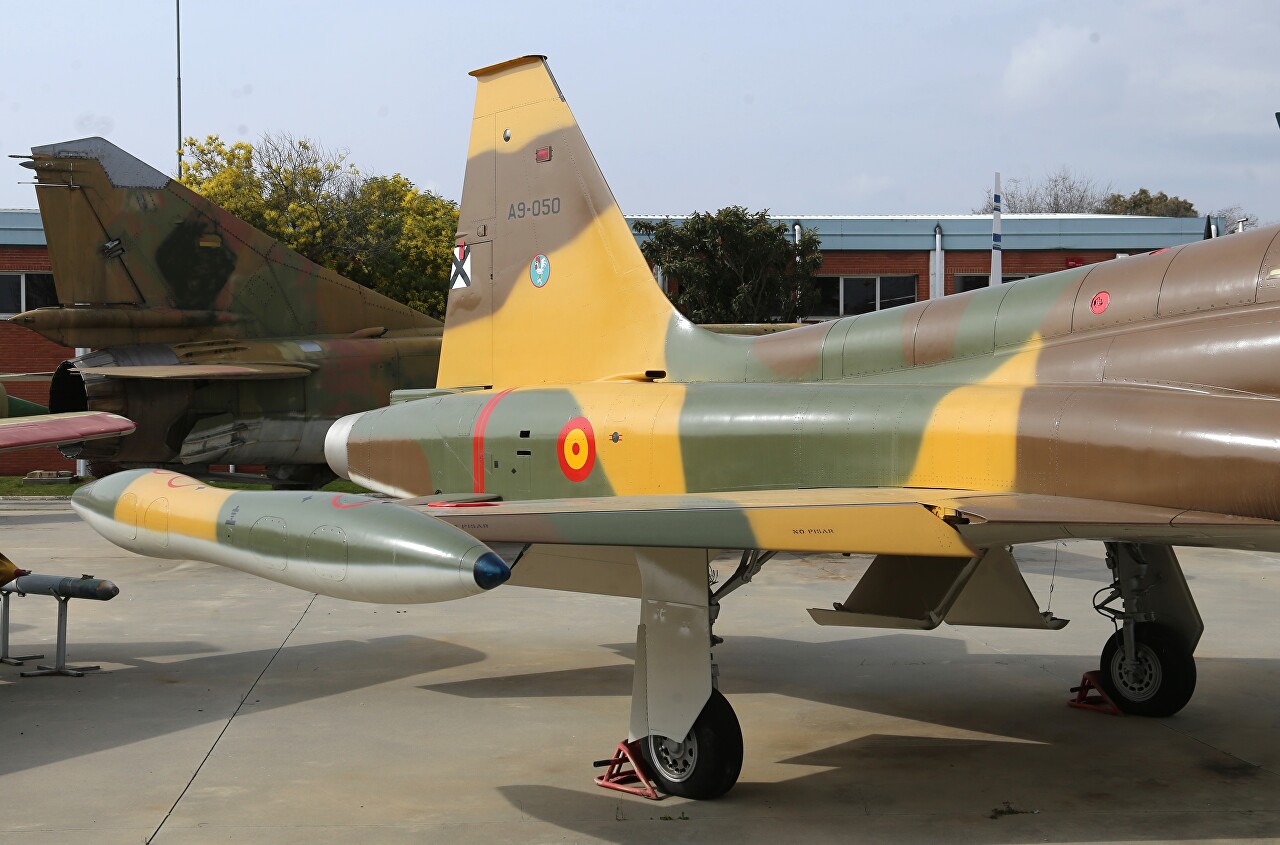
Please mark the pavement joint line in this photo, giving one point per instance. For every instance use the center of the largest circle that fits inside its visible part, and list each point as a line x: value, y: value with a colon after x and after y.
x: 152, y: 838
x: 1164, y: 724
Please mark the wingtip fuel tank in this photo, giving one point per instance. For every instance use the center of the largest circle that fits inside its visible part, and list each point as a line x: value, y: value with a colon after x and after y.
x: 345, y: 546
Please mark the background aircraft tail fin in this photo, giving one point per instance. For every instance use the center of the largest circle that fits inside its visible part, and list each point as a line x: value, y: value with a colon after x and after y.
x: 549, y: 285
x: 138, y: 253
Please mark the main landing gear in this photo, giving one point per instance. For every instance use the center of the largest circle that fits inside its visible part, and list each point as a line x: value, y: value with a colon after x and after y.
x: 688, y: 737
x: 1147, y: 667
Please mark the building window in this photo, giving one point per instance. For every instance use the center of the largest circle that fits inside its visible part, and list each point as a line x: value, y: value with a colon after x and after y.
x: 846, y: 295
x: 24, y: 291
x: 974, y: 281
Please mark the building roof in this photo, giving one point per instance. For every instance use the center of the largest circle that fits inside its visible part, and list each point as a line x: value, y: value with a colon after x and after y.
x: 21, y: 227
x: 915, y: 232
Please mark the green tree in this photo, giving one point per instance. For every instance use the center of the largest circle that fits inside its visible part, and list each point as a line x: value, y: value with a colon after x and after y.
x: 1143, y: 202
x: 735, y: 266
x: 380, y: 231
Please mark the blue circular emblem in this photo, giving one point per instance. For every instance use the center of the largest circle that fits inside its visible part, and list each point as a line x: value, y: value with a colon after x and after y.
x: 539, y: 270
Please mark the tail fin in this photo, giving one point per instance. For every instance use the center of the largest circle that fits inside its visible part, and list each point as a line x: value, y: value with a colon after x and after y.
x: 141, y: 257
x: 549, y: 284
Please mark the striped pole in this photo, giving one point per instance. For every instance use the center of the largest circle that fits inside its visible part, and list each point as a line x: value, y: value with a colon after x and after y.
x: 997, y: 275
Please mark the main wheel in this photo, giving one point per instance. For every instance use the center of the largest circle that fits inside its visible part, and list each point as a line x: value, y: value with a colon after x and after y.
x: 1163, y: 679
x: 705, y: 764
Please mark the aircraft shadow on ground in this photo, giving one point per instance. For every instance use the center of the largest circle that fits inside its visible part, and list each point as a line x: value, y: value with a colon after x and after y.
x: 193, y: 691
x: 1052, y: 764
x: 927, y: 679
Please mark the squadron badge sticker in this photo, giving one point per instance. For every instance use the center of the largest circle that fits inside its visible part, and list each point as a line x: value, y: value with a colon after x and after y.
x: 460, y: 276
x: 577, y: 449
x: 539, y: 270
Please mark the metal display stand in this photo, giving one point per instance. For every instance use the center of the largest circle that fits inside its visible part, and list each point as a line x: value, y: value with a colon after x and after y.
x: 62, y: 590
x: 60, y: 666
x: 5, y: 656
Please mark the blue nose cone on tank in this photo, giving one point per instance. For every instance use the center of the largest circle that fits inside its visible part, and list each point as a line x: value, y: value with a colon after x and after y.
x: 490, y: 571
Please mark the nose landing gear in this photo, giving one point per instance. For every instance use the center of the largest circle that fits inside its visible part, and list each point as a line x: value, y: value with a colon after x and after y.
x: 1147, y: 667
x: 1160, y: 677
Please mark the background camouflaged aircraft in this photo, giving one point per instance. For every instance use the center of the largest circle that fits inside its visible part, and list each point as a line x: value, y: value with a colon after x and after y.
x: 222, y: 344
x: 603, y: 444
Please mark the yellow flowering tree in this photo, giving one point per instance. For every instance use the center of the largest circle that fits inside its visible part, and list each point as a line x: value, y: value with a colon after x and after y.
x: 380, y: 231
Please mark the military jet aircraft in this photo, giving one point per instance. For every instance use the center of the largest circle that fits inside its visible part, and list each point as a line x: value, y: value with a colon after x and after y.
x: 225, y: 346
x: 583, y: 436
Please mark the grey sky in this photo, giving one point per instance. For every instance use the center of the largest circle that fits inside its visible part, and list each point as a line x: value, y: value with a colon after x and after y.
x: 804, y: 108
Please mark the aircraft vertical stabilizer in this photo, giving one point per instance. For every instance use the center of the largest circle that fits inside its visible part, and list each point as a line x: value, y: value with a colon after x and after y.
x: 140, y: 257
x: 549, y: 284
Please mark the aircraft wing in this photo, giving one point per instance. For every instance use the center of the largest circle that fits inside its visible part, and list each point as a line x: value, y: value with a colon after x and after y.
x: 940, y: 554
x: 53, y: 429
x: 874, y: 520
x: 201, y: 371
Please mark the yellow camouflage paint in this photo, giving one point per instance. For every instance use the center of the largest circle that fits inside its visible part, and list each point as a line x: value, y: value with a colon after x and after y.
x: 900, y: 529
x: 647, y: 457
x: 192, y: 507
x: 972, y: 436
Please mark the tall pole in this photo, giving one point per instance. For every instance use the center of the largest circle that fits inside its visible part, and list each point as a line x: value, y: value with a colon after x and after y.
x: 997, y: 271
x: 177, y: 28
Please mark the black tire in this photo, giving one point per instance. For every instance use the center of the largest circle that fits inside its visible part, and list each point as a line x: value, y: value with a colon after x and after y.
x: 707, y: 763
x: 1166, y: 676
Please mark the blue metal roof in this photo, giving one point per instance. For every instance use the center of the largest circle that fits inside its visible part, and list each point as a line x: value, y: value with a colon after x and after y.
x: 21, y: 227
x: 1122, y: 233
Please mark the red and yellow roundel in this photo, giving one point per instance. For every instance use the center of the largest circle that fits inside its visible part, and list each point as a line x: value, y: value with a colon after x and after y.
x: 577, y: 449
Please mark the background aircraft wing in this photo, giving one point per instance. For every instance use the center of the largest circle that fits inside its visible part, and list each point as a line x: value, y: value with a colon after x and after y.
x: 53, y: 429
x: 202, y: 371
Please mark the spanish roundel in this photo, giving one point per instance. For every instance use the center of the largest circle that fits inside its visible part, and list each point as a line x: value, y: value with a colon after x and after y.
x: 577, y: 449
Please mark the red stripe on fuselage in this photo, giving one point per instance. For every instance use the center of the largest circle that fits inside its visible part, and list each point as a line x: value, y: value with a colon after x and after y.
x: 477, y: 439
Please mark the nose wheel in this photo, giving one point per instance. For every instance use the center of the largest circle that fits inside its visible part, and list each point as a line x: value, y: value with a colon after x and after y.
x: 705, y: 763
x: 1159, y: 678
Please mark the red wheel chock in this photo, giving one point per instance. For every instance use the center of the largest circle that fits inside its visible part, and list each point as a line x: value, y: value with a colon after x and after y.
x: 1091, y: 696
x: 634, y: 780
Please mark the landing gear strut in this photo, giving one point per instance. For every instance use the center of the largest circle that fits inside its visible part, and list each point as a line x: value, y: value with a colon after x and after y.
x: 688, y: 736
x: 1147, y: 667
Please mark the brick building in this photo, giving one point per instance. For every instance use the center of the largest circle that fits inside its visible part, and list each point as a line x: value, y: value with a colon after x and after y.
x: 869, y: 263
x: 25, y: 283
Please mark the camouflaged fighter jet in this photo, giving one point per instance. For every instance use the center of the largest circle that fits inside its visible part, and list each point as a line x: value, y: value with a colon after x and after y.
x: 585, y: 437
x: 225, y: 346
